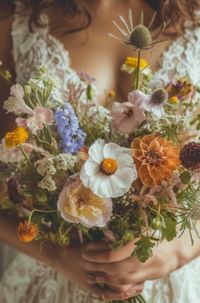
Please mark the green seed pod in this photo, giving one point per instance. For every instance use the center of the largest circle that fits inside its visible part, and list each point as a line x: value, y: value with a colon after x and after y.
x: 159, y: 96
x: 156, y: 223
x: 89, y: 92
x: 141, y: 37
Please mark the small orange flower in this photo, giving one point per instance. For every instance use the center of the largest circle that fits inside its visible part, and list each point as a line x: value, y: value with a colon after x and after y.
x: 16, y: 137
x: 27, y: 232
x: 155, y: 159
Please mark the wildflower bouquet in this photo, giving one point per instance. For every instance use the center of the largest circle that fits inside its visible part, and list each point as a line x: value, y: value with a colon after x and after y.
x: 128, y: 171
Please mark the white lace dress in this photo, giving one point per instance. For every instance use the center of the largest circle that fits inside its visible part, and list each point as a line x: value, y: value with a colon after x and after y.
x: 29, y: 281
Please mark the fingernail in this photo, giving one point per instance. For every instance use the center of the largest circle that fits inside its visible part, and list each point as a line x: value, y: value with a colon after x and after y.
x: 100, y: 280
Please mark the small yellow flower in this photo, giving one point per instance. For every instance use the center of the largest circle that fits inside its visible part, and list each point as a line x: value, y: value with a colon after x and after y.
x: 16, y: 137
x: 27, y: 232
x: 174, y: 100
x: 131, y: 64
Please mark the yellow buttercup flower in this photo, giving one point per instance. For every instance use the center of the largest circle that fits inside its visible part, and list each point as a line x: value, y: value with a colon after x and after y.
x: 131, y: 63
x: 16, y: 137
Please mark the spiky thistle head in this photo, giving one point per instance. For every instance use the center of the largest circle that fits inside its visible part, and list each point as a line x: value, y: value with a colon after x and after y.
x: 139, y: 37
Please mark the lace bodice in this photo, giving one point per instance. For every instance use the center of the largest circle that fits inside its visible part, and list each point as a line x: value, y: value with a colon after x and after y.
x: 30, y: 50
x: 28, y: 280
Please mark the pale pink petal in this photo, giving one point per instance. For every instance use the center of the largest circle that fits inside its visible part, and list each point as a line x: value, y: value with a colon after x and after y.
x: 43, y: 116
x: 21, y: 122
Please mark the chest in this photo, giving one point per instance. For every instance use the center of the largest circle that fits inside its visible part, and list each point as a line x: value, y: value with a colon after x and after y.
x: 102, y: 57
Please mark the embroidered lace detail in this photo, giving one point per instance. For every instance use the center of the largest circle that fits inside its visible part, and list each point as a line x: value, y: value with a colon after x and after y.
x: 28, y: 280
x: 32, y: 49
x: 181, y: 59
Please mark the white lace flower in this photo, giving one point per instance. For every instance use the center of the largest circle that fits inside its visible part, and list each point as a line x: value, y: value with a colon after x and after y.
x: 65, y: 161
x: 47, y: 183
x: 110, y: 171
x: 15, y: 103
x: 45, y: 166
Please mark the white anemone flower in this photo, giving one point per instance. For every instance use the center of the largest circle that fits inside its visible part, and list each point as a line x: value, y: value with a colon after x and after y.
x: 110, y: 170
x: 152, y: 103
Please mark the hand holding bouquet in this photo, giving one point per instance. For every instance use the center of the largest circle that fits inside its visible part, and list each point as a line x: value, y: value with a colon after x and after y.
x: 130, y: 171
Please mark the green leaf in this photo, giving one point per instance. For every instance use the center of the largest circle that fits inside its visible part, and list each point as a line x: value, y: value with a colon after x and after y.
x: 169, y: 229
x: 143, y: 249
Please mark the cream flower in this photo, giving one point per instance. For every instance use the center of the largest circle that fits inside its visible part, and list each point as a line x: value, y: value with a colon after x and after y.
x: 15, y: 103
x: 77, y: 204
x: 110, y: 171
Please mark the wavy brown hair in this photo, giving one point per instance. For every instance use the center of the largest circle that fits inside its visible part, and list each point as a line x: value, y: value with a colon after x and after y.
x: 173, y: 11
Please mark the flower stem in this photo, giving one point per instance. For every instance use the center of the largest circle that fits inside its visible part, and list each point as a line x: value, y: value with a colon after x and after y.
x: 138, y: 70
x: 39, y: 211
x: 26, y: 157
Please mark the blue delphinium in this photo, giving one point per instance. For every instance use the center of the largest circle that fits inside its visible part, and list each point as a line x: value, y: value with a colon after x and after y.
x: 72, y: 136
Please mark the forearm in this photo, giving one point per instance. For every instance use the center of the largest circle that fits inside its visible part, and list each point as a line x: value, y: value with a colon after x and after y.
x: 8, y: 234
x: 185, y: 250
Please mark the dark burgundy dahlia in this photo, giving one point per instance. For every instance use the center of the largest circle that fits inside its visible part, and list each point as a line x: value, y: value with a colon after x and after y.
x: 190, y: 155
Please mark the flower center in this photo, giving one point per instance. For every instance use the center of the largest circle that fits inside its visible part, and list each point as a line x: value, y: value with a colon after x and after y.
x: 153, y: 157
x: 109, y: 166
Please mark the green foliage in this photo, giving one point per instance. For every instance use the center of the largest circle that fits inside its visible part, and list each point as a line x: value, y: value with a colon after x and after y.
x: 168, y: 228
x: 143, y: 249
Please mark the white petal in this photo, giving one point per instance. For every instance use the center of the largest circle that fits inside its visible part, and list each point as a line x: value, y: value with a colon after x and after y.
x: 137, y: 96
x: 111, y: 150
x: 125, y: 160
x: 125, y: 176
x: 96, y: 150
x: 100, y: 185
x: 158, y: 111
x: 84, y: 177
x: 91, y: 167
x: 117, y: 189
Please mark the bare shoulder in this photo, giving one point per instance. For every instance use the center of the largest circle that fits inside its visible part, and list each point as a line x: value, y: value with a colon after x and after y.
x: 6, y: 58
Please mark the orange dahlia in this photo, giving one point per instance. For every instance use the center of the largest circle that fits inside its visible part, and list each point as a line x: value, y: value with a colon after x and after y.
x: 27, y: 232
x: 155, y: 159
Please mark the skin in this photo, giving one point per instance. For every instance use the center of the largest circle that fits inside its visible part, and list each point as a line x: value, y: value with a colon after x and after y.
x: 88, y: 265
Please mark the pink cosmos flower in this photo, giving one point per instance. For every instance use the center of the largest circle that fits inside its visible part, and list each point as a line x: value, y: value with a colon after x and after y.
x: 77, y: 204
x: 128, y: 116
x: 40, y: 117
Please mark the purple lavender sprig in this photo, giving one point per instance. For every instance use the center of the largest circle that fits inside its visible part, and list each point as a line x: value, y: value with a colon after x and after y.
x: 72, y: 136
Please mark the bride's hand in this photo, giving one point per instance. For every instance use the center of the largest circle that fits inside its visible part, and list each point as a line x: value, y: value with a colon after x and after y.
x: 119, y: 269
x: 71, y: 264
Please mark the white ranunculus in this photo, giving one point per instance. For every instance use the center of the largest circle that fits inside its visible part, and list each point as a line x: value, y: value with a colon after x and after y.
x: 110, y: 170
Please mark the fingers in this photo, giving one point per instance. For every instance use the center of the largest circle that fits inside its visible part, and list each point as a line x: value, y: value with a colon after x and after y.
x: 101, y: 253
x: 119, y: 280
x: 110, y: 268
